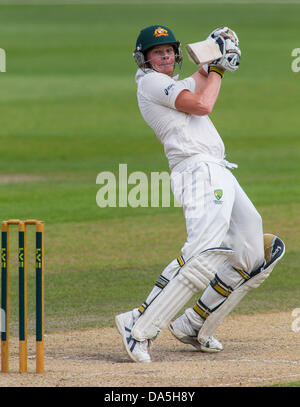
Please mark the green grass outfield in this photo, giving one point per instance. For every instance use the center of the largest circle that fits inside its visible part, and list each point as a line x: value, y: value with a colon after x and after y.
x: 68, y: 112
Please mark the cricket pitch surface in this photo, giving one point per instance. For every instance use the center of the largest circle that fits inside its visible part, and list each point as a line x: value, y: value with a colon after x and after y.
x: 259, y: 350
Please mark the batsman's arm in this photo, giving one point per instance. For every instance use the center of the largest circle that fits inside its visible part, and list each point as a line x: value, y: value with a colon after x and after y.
x: 202, y: 101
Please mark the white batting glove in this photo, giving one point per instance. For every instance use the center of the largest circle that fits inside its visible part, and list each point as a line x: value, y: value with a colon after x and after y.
x: 226, y: 33
x: 228, y: 43
x: 205, y: 67
x: 229, y: 62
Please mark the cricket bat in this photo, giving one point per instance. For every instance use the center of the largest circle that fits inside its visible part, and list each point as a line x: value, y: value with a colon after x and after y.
x: 203, y: 52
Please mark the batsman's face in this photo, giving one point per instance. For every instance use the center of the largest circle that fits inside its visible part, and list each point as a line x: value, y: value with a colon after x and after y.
x: 162, y: 59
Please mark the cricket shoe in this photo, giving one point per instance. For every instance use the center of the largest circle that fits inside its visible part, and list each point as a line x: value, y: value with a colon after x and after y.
x: 138, y: 351
x: 182, y: 329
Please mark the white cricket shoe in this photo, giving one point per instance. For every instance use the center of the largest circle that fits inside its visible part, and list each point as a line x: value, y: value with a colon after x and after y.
x: 182, y: 329
x: 138, y: 351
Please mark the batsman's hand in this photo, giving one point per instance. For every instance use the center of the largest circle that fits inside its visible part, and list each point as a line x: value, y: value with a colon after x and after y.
x: 228, y: 43
x: 226, y: 33
x: 229, y: 62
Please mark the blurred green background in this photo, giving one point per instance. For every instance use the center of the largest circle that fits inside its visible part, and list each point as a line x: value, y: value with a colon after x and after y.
x: 69, y: 111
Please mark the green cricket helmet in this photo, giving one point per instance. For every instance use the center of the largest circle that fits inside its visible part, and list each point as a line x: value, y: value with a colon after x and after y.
x: 152, y: 36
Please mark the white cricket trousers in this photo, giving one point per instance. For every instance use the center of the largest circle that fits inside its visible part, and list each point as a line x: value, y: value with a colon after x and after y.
x: 218, y: 213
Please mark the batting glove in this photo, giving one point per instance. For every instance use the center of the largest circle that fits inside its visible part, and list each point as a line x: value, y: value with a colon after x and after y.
x: 231, y: 54
x: 229, y: 62
x: 226, y: 33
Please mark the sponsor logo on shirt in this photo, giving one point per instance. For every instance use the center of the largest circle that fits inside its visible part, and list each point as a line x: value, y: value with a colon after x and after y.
x: 168, y: 88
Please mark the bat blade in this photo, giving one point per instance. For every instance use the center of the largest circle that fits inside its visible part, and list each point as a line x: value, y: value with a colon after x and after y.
x: 203, y: 52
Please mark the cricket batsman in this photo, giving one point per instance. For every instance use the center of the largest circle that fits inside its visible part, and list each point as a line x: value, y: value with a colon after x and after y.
x: 226, y: 253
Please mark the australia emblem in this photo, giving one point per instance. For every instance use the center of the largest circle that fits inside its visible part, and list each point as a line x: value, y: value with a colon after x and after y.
x: 218, y: 195
x: 161, y: 32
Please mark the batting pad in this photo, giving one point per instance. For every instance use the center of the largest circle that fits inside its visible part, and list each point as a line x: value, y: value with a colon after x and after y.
x: 192, y: 277
x: 274, y: 251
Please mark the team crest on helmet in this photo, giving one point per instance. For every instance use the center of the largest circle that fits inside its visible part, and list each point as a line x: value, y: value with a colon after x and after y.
x: 160, y: 32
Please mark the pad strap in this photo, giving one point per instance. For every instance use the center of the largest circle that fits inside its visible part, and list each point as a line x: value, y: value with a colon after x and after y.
x: 220, y: 287
x: 252, y: 280
x: 161, y: 282
x: 201, y: 309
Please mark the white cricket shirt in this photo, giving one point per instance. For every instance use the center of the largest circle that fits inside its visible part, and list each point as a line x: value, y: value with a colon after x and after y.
x: 182, y: 135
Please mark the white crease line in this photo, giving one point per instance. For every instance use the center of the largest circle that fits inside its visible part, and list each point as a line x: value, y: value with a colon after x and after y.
x: 293, y: 362
x: 257, y: 379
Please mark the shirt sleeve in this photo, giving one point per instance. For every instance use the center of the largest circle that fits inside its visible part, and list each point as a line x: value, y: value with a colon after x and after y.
x: 162, y: 89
